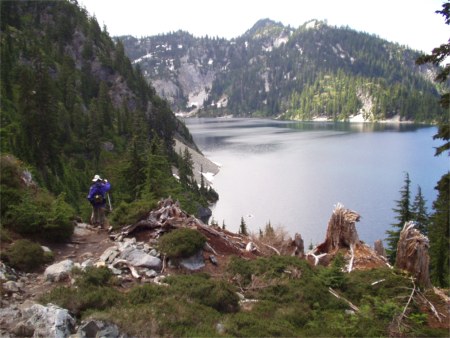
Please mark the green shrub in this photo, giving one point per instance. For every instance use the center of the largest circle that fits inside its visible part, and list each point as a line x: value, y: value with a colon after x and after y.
x: 40, y: 215
x: 129, y: 213
x: 181, y: 243
x: 59, y: 225
x: 146, y: 294
x: 25, y: 255
x: 93, y: 276
x: 217, y: 294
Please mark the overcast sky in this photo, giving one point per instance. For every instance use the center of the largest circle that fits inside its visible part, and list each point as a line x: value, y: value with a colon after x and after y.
x: 409, y: 22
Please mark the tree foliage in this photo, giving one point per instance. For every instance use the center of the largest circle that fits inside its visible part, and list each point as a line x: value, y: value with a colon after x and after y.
x: 73, y: 105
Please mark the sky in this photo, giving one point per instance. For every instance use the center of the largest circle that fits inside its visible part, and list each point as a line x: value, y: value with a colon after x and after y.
x: 413, y: 23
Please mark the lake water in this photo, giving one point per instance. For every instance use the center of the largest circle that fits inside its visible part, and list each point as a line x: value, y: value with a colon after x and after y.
x: 294, y: 173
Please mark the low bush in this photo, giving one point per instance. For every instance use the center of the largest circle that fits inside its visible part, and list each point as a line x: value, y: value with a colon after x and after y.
x: 217, y: 294
x: 181, y: 243
x: 25, y: 255
x: 129, y: 213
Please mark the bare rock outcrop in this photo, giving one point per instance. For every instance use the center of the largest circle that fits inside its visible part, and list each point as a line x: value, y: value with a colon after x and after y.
x: 412, y: 254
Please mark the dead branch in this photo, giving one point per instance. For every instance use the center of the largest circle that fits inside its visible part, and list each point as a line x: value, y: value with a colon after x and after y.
x: 432, y: 308
x: 352, y: 306
x: 271, y: 247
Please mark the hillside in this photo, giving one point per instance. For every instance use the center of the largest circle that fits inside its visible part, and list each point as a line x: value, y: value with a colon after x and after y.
x: 73, y: 106
x: 315, y: 70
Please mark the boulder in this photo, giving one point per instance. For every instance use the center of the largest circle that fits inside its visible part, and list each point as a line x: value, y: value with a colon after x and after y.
x: 48, y: 321
x: 58, y: 271
x: 139, y: 258
x: 194, y: 262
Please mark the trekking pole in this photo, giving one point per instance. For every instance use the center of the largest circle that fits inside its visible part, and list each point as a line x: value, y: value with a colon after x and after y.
x: 109, y: 202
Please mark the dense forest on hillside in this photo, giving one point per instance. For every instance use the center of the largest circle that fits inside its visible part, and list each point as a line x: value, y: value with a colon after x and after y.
x: 73, y: 106
x: 315, y: 70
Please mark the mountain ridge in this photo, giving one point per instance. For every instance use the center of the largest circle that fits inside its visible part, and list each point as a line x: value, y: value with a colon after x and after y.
x: 273, y: 70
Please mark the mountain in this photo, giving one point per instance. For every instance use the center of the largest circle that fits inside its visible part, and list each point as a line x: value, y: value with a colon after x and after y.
x: 315, y: 70
x: 73, y: 106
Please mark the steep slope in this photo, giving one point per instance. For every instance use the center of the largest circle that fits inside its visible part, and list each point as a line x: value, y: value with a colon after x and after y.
x: 73, y: 105
x: 273, y: 70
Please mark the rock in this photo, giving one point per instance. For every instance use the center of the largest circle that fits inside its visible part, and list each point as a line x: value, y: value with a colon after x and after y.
x: 109, y: 254
x: 59, y: 271
x: 48, y: 321
x: 220, y: 328
x: 250, y: 247
x: 412, y: 254
x: 87, y: 263
x: 151, y: 273
x: 11, y: 286
x: 46, y: 248
x: 139, y: 258
x: 22, y: 329
x: 204, y: 214
x: 194, y: 262
x: 213, y: 259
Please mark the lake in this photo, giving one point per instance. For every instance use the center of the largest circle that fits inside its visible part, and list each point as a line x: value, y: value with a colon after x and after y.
x: 292, y: 174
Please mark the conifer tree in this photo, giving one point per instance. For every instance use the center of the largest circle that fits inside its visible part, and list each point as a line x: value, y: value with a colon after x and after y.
x: 439, y: 234
x: 419, y: 212
x: 403, y: 212
x: 243, y: 228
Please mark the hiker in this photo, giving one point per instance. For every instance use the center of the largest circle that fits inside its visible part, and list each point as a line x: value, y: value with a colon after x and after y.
x: 97, y: 197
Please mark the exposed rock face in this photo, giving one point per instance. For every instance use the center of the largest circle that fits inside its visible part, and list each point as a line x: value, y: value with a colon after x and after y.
x: 48, y: 321
x: 412, y: 254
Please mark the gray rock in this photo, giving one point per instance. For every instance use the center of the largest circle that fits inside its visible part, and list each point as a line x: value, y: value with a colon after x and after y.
x: 194, y: 262
x: 139, y: 258
x: 109, y: 254
x: 11, y: 286
x: 49, y: 321
x: 98, y: 328
x: 151, y: 273
x: 58, y: 271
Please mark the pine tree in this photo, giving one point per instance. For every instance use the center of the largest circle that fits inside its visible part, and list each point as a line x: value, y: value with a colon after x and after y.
x: 243, y: 228
x: 419, y: 212
x: 439, y: 234
x: 403, y: 211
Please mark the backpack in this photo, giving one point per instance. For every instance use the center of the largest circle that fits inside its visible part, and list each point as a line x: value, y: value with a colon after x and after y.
x: 98, y: 199
x: 97, y: 196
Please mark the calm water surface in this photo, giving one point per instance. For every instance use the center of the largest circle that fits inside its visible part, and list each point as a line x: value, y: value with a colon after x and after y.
x: 294, y: 173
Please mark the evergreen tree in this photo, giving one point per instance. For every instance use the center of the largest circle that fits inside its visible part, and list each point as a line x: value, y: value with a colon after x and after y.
x: 419, y: 212
x: 403, y: 212
x: 439, y: 235
x: 439, y: 227
x: 243, y: 228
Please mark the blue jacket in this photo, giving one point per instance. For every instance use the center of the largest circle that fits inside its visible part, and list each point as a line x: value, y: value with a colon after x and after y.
x: 98, y: 188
